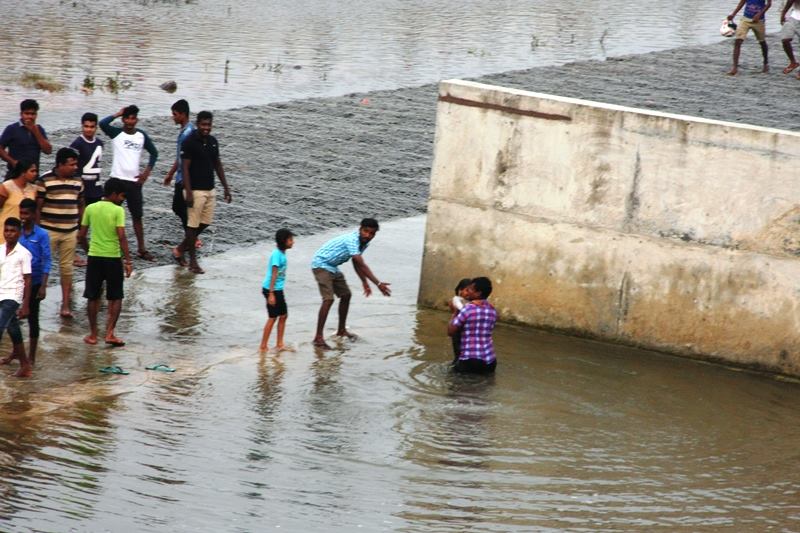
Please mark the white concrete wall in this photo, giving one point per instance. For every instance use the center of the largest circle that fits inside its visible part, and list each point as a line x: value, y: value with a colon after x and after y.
x: 663, y: 231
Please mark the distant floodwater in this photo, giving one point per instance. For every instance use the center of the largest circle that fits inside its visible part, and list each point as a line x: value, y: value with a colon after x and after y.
x: 280, y: 50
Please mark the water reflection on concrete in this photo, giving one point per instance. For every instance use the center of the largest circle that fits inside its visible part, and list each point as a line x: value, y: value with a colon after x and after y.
x: 281, y: 50
x: 377, y: 433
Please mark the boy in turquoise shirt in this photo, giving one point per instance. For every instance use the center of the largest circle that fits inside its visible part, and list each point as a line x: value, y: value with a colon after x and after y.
x: 272, y: 288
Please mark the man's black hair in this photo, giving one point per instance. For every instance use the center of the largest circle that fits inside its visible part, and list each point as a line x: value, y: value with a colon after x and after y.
x: 130, y: 110
x: 281, y: 236
x: 181, y: 106
x: 205, y: 115
x: 484, y: 286
x: 64, y: 154
x: 113, y: 185
x: 370, y: 223
x: 466, y: 282
x: 88, y: 117
x: 13, y: 221
x: 28, y: 203
x: 30, y: 103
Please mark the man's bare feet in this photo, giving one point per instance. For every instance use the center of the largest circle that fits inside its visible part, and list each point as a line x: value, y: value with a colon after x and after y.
x: 89, y: 339
x: 347, y: 334
x: 177, y: 255
x: 733, y: 71
x: 25, y: 371
x: 791, y: 67
x: 263, y: 348
x: 765, y: 70
x: 7, y: 360
x: 65, y: 313
x: 320, y: 343
x: 115, y: 341
x: 195, y: 269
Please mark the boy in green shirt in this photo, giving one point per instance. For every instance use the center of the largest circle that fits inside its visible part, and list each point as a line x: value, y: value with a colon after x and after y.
x: 107, y: 246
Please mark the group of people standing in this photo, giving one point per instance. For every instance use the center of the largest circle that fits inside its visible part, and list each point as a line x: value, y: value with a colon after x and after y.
x: 753, y: 19
x: 45, y: 217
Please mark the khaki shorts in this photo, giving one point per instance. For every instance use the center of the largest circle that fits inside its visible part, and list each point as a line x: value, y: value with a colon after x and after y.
x: 62, y: 245
x: 202, y: 212
x: 746, y: 25
x: 330, y: 284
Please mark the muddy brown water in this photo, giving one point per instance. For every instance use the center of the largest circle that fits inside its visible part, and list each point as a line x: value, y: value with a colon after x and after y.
x: 377, y: 434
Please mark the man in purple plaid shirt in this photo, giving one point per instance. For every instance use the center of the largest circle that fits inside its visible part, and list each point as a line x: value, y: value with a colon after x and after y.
x: 476, y: 322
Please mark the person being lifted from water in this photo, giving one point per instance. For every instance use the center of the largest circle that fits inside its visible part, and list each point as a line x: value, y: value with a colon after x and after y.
x: 330, y: 279
x: 475, y: 322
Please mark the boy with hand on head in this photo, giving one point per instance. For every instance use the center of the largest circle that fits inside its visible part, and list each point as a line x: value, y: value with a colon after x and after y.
x: 15, y: 292
x: 475, y: 322
x: 37, y: 242
x: 272, y: 288
x: 106, y: 220
x: 127, y: 144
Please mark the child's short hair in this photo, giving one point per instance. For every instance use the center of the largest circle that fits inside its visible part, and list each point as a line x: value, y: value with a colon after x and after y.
x: 466, y: 282
x: 484, y: 286
x: 281, y: 236
x: 370, y: 223
x: 28, y: 203
x: 131, y: 110
x: 88, y: 117
x: 13, y: 222
x: 112, y: 186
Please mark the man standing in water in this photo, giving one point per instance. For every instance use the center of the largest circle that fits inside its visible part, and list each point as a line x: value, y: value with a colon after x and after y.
x: 24, y: 139
x: 753, y: 19
x: 180, y: 115
x: 331, y: 281
x: 106, y: 220
x: 200, y: 160
x: 127, y: 144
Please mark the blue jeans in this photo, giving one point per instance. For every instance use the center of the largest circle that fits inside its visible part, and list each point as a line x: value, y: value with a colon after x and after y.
x: 9, y: 320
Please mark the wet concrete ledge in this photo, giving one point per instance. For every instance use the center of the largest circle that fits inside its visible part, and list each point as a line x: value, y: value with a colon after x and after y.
x: 570, y: 206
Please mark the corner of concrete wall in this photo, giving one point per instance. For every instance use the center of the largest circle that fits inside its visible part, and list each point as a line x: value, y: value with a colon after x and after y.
x: 662, y: 231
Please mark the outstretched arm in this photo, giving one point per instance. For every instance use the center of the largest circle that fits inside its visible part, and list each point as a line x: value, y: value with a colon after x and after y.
x: 365, y: 274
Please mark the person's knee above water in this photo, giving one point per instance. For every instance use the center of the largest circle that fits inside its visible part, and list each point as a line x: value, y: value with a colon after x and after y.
x: 475, y: 322
x: 331, y: 281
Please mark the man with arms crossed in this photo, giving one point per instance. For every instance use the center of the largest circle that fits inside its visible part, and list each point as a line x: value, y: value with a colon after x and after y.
x: 200, y: 159
x: 106, y: 220
x: 331, y: 281
x: 127, y: 144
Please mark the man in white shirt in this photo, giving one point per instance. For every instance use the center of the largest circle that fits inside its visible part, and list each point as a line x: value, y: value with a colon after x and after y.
x: 15, y: 292
x: 127, y: 144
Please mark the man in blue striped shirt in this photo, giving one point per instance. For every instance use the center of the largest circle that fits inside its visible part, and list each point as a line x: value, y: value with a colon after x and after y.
x: 325, y: 266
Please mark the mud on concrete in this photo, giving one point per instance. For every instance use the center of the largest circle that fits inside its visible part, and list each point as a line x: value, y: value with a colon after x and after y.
x: 319, y: 163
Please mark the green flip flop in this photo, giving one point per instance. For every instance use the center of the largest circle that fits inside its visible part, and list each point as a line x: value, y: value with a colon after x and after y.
x: 161, y: 367
x: 113, y: 370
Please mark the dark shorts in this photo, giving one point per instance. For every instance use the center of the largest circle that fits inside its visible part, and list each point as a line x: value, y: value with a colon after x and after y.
x: 134, y: 199
x: 330, y: 284
x: 179, y: 203
x: 474, y: 366
x: 104, y: 269
x: 279, y: 309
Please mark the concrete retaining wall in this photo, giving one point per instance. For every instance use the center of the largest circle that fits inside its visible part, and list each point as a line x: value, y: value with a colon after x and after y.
x: 663, y: 231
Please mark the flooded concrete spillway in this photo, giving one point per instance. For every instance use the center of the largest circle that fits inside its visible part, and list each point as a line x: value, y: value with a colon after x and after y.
x: 664, y: 231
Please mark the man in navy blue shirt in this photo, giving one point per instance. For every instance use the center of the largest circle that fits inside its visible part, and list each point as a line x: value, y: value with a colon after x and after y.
x: 24, y: 139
